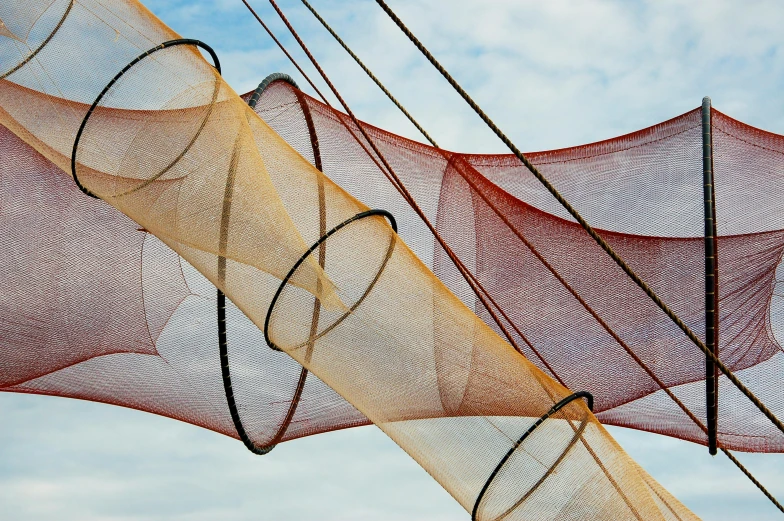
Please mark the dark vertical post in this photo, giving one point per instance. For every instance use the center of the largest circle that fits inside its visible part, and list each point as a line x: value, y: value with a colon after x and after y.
x: 711, y: 278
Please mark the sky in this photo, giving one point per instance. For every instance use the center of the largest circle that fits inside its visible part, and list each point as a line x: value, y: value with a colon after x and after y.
x: 552, y: 74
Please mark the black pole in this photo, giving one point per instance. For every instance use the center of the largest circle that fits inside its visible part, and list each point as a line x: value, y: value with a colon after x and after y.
x: 711, y: 278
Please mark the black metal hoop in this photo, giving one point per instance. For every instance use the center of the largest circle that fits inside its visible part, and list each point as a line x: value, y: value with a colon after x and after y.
x: 284, y: 282
x: 164, y: 45
x: 33, y: 54
x: 554, y: 409
x: 275, y: 76
x: 223, y: 342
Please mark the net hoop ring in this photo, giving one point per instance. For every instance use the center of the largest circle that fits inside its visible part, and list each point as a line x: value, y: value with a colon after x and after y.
x: 164, y: 45
x: 43, y: 44
x: 223, y: 344
x: 284, y: 282
x: 554, y: 409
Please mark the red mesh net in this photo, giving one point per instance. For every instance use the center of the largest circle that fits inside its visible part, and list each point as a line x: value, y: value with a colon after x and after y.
x: 643, y: 191
x: 477, y: 203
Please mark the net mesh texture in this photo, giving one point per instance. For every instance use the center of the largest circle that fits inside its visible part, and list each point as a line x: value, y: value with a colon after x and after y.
x: 101, y: 309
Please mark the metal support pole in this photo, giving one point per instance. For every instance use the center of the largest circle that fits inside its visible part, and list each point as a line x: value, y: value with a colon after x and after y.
x: 711, y: 279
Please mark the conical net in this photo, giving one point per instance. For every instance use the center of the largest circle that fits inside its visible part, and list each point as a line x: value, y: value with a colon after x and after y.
x: 170, y: 145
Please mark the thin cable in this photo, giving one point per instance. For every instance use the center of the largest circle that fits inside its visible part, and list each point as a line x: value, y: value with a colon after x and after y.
x: 370, y: 74
x: 579, y: 218
x: 291, y: 59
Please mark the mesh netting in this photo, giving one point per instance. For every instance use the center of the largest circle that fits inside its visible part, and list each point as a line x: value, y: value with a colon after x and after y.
x: 102, y: 310
x: 644, y: 192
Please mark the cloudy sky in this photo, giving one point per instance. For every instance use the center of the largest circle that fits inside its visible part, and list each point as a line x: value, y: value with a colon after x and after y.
x: 552, y: 74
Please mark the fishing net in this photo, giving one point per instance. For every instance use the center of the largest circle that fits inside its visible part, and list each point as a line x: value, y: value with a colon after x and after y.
x: 168, y: 143
x: 572, y: 311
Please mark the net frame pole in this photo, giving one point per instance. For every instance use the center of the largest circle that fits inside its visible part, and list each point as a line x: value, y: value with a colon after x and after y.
x: 711, y: 279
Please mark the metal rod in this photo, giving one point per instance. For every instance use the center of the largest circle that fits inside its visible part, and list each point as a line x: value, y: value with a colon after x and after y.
x: 711, y: 279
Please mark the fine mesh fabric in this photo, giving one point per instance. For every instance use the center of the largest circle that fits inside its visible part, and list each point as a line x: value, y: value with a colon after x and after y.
x: 644, y: 192
x: 151, y: 341
x: 172, y: 147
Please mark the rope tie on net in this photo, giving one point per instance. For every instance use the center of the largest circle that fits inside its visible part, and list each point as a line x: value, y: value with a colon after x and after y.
x: 583, y: 223
x: 606, y: 326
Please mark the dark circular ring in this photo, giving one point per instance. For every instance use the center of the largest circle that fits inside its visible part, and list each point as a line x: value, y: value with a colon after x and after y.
x: 275, y: 76
x: 554, y: 409
x: 299, y: 262
x: 33, y: 54
x: 223, y: 343
x: 164, y: 45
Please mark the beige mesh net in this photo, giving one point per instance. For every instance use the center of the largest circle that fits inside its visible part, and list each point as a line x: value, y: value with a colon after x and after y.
x: 173, y: 147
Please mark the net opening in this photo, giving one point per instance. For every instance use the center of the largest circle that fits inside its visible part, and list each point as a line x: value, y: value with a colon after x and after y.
x: 164, y: 45
x: 553, y: 410
x: 223, y: 343
x: 284, y: 282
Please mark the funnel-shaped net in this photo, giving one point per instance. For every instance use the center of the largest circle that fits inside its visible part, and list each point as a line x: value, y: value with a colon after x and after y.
x: 168, y: 143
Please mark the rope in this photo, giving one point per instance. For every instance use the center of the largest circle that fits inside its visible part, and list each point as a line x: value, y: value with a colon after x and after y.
x: 631, y: 353
x: 579, y: 218
x: 280, y: 45
x: 370, y: 74
x: 753, y: 479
